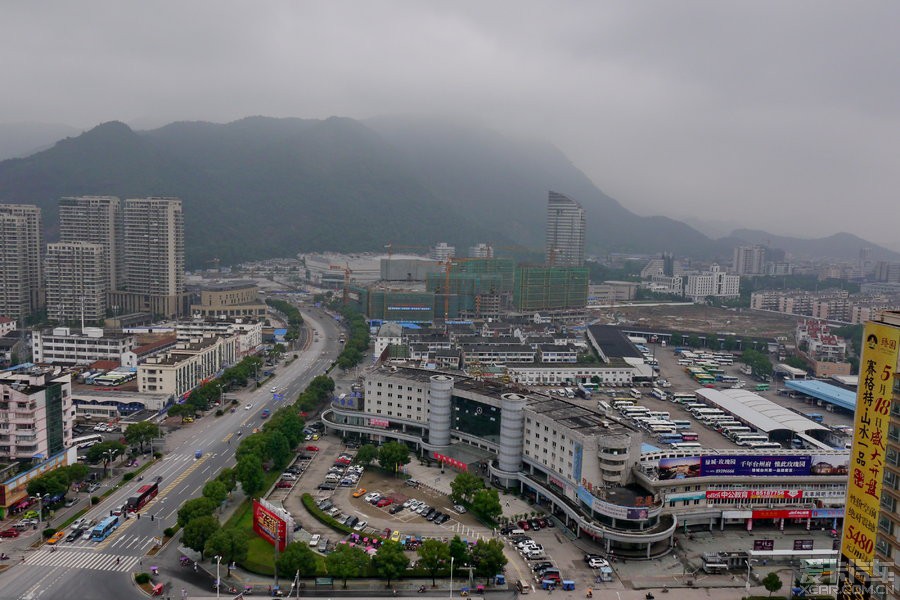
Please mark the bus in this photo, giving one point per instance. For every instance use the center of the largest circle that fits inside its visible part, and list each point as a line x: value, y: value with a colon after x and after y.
x: 661, y: 429
x: 766, y: 446
x: 745, y: 439
x: 683, y: 397
x: 635, y: 393
x: 681, y: 423
x: 701, y: 413
x: 570, y: 393
x: 728, y: 379
x: 620, y: 403
x: 723, y: 426
x: 143, y: 495
x: 670, y: 438
x: 692, y: 406
x: 104, y: 528
x: 716, y: 419
x: 604, y: 406
x: 818, y: 418
x: 762, y: 387
x: 634, y: 411
x: 658, y: 394
x: 87, y: 441
x: 689, y: 436
x: 687, y: 445
x: 659, y: 414
x: 733, y: 432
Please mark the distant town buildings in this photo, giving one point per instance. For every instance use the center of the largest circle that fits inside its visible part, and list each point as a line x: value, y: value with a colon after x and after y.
x: 888, y: 272
x: 565, y: 231
x: 77, y: 282
x: 443, y: 251
x: 749, y: 260
x: 830, y: 304
x: 481, y: 251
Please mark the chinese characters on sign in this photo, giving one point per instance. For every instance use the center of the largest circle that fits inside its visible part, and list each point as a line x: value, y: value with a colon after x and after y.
x: 873, y: 404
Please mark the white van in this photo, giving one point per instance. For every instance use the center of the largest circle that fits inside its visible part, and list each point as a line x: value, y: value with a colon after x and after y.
x: 517, y: 532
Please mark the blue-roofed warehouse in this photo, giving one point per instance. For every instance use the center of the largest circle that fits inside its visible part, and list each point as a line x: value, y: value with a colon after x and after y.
x: 832, y: 394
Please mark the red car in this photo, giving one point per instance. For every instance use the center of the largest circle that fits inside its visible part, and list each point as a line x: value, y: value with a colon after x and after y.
x: 312, y: 448
x: 284, y: 484
x: 9, y: 533
x: 524, y: 525
x: 384, y: 502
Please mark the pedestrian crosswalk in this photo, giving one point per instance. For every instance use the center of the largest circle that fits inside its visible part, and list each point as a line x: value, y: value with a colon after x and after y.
x: 75, y: 559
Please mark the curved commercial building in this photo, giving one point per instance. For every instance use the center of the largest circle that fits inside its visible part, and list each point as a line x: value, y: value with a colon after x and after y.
x: 589, y: 468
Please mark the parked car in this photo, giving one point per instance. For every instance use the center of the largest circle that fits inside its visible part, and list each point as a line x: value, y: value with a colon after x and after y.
x: 459, y: 508
x: 535, y: 524
x: 9, y: 533
x: 395, y: 509
x: 314, y: 540
x: 359, y: 492
x: 541, y: 566
x: 284, y: 484
x: 312, y: 448
x: 384, y: 502
x: 524, y: 525
x: 395, y: 537
x: 442, y: 519
x: 361, y: 525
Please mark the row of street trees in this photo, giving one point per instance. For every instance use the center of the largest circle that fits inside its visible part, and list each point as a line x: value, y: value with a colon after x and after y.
x: 204, y: 396
x: 291, y: 313
x: 391, y: 561
x: 202, y: 530
x: 357, y: 342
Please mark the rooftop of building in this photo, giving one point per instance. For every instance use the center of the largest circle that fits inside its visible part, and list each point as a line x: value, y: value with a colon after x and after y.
x: 613, y: 342
x: 224, y: 286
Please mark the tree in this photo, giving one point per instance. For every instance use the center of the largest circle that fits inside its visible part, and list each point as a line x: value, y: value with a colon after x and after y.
x: 52, y: 483
x: 216, y: 491
x: 487, y: 504
x: 772, y: 582
x: 392, y: 455
x: 390, y: 561
x: 277, y: 449
x: 249, y: 473
x: 346, y: 561
x: 231, y: 544
x: 105, y: 451
x: 459, y: 552
x: 198, y: 531
x: 297, y: 556
x: 227, y: 477
x: 137, y: 434
x: 366, y: 454
x: 433, y: 554
x: 464, y: 485
x: 180, y: 410
x: 488, y: 558
x: 194, y: 509
x: 76, y: 472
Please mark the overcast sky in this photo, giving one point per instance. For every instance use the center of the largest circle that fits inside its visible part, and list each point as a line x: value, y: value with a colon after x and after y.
x: 776, y: 115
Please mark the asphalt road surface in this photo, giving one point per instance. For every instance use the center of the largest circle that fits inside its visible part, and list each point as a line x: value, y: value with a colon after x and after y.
x: 88, y: 570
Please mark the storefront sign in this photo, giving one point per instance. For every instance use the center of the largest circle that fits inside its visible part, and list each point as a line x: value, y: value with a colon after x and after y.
x: 873, y: 406
x: 374, y: 422
x: 803, y: 545
x: 753, y: 494
x: 765, y: 466
x: 763, y: 545
x: 456, y: 464
x: 782, y: 514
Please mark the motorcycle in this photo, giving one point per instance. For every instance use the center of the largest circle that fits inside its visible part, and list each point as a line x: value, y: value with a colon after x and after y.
x: 4, y: 557
x: 140, y: 478
x: 649, y: 596
x: 422, y: 589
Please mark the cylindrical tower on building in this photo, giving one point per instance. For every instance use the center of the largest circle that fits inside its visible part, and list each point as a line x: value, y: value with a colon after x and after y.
x: 440, y: 390
x: 512, y: 432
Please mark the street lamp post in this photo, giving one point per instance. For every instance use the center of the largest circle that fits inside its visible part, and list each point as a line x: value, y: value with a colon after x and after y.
x: 218, y: 579
x: 451, y: 575
x: 750, y: 561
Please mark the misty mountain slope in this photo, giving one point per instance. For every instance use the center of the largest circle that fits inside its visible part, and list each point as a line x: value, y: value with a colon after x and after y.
x: 23, y: 139
x: 507, y: 180
x: 263, y: 187
x: 840, y: 246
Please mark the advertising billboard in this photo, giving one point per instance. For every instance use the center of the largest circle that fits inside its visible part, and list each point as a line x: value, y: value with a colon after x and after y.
x: 742, y: 466
x: 763, y: 545
x: 873, y: 405
x: 803, y: 545
x: 754, y: 494
x: 577, y: 451
x: 376, y: 422
x: 789, y: 513
x: 456, y: 464
x: 269, y: 525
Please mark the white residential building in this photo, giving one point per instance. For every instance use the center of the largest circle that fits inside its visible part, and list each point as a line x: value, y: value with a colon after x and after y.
x: 67, y: 346
x: 76, y: 282
x: 715, y: 283
x: 36, y: 414
x: 247, y: 331
x: 188, y: 365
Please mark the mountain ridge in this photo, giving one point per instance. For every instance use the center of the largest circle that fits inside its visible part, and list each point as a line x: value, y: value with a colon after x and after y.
x: 262, y: 187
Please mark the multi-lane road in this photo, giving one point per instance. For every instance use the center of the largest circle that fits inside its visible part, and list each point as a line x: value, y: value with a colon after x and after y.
x: 88, y: 570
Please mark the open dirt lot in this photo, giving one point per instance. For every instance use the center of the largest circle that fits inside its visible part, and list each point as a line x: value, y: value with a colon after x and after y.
x: 696, y: 318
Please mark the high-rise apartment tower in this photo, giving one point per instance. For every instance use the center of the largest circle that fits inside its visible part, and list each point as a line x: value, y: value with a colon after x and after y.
x: 565, y: 232
x: 21, y: 268
x: 98, y: 220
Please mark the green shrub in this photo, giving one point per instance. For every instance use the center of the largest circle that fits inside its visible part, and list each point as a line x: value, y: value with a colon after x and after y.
x: 157, y: 455
x: 95, y: 500
x: 310, y: 503
x: 48, y: 533
x: 127, y: 476
x: 169, y: 531
x: 142, y: 578
x: 219, y: 412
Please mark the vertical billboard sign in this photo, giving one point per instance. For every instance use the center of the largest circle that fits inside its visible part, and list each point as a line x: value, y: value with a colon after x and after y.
x: 873, y: 405
x: 269, y: 525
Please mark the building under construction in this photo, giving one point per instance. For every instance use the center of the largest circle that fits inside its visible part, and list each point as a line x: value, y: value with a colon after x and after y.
x: 473, y: 287
x: 540, y: 287
x: 381, y: 304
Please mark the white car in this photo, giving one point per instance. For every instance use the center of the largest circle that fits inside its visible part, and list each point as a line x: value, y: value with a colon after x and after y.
x: 87, y: 533
x: 459, y: 508
x: 248, y: 407
x: 598, y: 563
x: 360, y: 526
x: 315, y: 540
x: 274, y: 390
x: 371, y: 496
